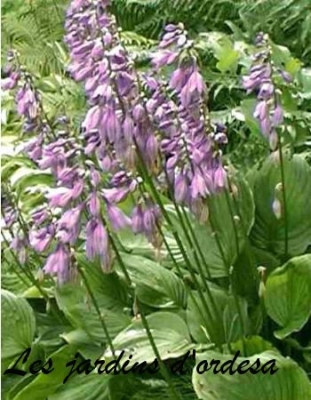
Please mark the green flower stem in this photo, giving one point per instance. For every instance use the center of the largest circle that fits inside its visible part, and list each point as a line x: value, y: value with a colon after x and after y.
x: 178, y: 240
x: 193, y: 276
x: 227, y: 266
x: 102, y: 321
x: 285, y: 210
x: 119, y: 258
x: 250, y: 254
x: 195, y: 240
x: 185, y: 229
x: 163, y: 369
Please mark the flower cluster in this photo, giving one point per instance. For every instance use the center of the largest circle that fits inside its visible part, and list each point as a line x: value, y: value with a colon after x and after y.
x: 137, y: 125
x: 268, y: 110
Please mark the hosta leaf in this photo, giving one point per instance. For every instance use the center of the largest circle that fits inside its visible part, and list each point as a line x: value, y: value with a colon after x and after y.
x: 288, y: 383
x: 90, y: 387
x: 224, y: 323
x: 109, y: 290
x: 288, y: 295
x: 81, y: 313
x: 169, y: 332
x: 227, y: 59
x: 251, y: 345
x: 18, y: 325
x: 156, y: 286
x: 224, y: 225
x: 46, y: 384
x: 268, y: 231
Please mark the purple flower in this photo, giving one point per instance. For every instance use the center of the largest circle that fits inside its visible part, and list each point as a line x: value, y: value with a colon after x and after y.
x: 93, y: 118
x: 268, y: 111
x: 94, y: 204
x: 68, y: 226
x: 116, y: 217
x: 97, y: 243
x: 59, y: 197
x: 266, y: 91
x: 9, y: 83
x: 27, y: 104
x: 286, y: 76
x: 262, y: 110
x: 41, y: 239
x: 163, y: 58
x: 179, y: 78
x: 220, y: 177
x: 111, y: 126
x: 181, y: 188
x: 277, y: 117
x: 196, y: 82
x: 20, y: 244
x: 198, y: 185
x: 58, y: 263
x: 138, y: 219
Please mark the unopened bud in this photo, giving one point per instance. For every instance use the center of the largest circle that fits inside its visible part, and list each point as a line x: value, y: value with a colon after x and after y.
x: 273, y: 140
x: 204, y: 214
x: 278, y: 187
x: 261, y: 270
x: 277, y: 208
x: 236, y: 219
x: 262, y: 289
x: 234, y: 190
x: 40, y: 276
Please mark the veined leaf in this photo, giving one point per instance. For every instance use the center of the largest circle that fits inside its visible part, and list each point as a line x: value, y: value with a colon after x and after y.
x: 169, y: 332
x: 18, y: 325
x: 288, y: 295
x: 288, y: 383
x: 268, y: 231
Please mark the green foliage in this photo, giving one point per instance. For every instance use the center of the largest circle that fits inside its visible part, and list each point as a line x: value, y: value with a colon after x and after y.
x: 269, y: 228
x: 290, y: 382
x: 288, y: 297
x: 18, y: 319
x: 287, y: 21
x: 35, y: 29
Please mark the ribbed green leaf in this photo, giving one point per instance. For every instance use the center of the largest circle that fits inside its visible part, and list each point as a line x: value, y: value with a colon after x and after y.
x: 288, y: 383
x: 288, y: 295
x: 268, y: 231
x: 169, y: 332
x: 18, y: 324
x: 156, y: 286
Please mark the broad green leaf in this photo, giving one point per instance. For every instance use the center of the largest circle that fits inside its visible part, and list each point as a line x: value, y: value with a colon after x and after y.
x: 289, y: 383
x: 222, y: 322
x: 268, y: 231
x: 156, y: 286
x: 223, y: 224
x: 109, y: 290
x: 247, y: 108
x: 18, y: 325
x: 245, y: 274
x: 288, y: 295
x: 46, y: 384
x: 89, y: 387
x: 293, y: 65
x: 227, y: 60
x: 169, y: 332
x: 80, y: 311
x: 305, y: 79
x: 251, y: 345
x: 14, y: 164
